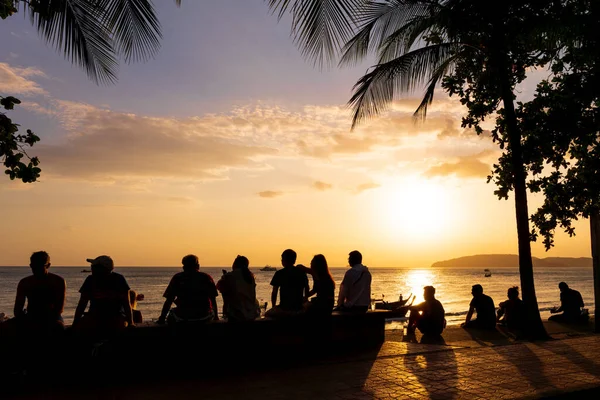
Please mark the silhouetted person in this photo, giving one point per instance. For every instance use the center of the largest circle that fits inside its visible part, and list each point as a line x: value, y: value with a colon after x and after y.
x: 193, y: 292
x: 107, y: 293
x: 44, y: 293
x: 355, y: 290
x: 238, y: 289
x: 133, y: 299
x: 293, y: 284
x: 513, y: 310
x: 323, y: 287
x: 429, y: 316
x: 571, y: 304
x: 483, y: 305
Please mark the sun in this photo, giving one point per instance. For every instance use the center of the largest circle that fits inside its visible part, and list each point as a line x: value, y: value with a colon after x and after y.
x: 416, y: 209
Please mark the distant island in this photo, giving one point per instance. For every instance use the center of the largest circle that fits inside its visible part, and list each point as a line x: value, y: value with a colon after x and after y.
x: 511, y: 261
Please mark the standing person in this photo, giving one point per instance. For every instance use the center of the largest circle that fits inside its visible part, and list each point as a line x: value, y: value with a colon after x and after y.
x: 486, y: 311
x: 294, y: 287
x: 107, y: 292
x: 513, y: 310
x: 44, y: 293
x: 323, y: 287
x: 429, y: 316
x: 238, y: 289
x: 571, y: 304
x: 355, y: 290
x: 193, y: 292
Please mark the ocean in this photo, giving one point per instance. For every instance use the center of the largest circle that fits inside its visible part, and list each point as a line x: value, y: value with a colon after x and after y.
x: 453, y: 286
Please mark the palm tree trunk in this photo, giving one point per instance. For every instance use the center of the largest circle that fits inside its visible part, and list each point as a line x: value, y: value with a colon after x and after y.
x: 595, y: 235
x: 535, y: 329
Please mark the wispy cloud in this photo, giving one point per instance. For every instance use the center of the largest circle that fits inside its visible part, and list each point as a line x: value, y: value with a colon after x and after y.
x: 465, y: 167
x: 366, y: 186
x: 269, y: 194
x: 322, y: 186
x: 15, y: 80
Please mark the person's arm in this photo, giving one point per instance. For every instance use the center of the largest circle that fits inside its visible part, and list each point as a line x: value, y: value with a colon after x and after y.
x: 274, y: 296
x: 312, y: 292
x: 127, y: 308
x: 500, y: 312
x: 83, y: 302
x: 19, y: 308
x: 213, y: 301
x: 306, y: 287
x: 469, y: 315
x: 165, y: 310
x: 304, y: 269
x: 61, y: 298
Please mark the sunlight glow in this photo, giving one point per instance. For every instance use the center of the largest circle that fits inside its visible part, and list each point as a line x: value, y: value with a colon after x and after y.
x: 417, y: 210
x: 416, y: 280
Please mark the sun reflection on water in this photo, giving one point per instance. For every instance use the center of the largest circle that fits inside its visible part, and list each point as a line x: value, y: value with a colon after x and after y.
x: 417, y: 279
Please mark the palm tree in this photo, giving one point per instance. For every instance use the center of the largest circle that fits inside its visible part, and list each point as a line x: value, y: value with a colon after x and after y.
x: 477, y: 50
x: 93, y: 34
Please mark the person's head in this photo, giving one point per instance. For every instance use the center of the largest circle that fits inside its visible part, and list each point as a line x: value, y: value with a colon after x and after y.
x: 513, y: 293
x: 476, y: 290
x: 101, y: 265
x: 354, y: 258
x: 242, y: 263
x: 39, y: 262
x: 563, y: 286
x: 429, y: 293
x: 190, y: 263
x: 133, y: 299
x: 319, y: 267
x: 288, y: 258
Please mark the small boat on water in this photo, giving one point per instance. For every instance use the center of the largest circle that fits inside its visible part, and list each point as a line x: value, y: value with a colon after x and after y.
x: 268, y: 268
x: 487, y: 273
x: 87, y: 271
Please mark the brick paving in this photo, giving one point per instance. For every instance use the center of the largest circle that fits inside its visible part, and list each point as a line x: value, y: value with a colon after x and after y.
x: 401, y: 370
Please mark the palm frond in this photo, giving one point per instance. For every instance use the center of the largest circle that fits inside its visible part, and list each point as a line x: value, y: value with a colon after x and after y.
x: 442, y: 70
x: 135, y: 28
x: 319, y: 27
x: 377, y: 20
x: 76, y: 28
x: 402, y: 40
x: 377, y: 89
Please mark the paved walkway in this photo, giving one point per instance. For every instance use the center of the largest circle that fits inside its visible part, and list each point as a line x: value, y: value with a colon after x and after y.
x: 404, y: 370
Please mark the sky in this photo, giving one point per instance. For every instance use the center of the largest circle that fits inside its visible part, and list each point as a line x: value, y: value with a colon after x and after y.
x: 229, y: 142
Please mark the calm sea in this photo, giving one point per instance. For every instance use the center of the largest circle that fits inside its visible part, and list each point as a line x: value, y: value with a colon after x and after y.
x: 453, y: 285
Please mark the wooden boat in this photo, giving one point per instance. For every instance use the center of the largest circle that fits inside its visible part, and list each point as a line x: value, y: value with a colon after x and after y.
x: 487, y: 273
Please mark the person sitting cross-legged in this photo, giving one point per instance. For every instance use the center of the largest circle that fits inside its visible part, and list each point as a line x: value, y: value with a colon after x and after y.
x: 483, y: 305
x: 428, y: 316
x: 571, y: 306
x: 511, y: 312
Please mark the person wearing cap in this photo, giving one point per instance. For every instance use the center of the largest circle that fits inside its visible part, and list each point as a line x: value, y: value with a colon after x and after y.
x: 107, y: 293
x: 194, y: 294
x: 44, y: 293
x: 571, y: 304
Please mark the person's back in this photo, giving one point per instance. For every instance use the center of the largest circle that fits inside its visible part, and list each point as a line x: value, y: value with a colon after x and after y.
x: 486, y: 311
x: 105, y: 293
x: 571, y: 302
x: 355, y: 289
x: 514, y: 313
x: 292, y: 283
x: 192, y: 291
x: 434, y: 315
x: 238, y: 288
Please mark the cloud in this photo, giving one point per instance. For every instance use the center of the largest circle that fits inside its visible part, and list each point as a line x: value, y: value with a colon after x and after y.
x: 466, y: 167
x: 322, y: 186
x: 366, y: 186
x: 14, y: 80
x: 269, y: 194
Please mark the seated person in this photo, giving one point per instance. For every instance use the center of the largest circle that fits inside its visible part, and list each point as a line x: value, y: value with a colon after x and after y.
x: 513, y: 310
x: 193, y: 292
x: 44, y: 293
x: 483, y: 305
x: 238, y: 289
x: 323, y: 287
x: 133, y: 299
x: 107, y: 293
x: 294, y: 288
x: 355, y: 289
x: 429, y: 316
x: 571, y: 305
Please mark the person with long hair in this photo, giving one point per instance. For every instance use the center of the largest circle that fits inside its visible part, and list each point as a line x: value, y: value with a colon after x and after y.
x: 323, y: 287
x: 238, y: 288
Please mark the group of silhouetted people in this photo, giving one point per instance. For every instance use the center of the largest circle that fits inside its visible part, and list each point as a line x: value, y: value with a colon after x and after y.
x: 107, y: 303
x: 112, y: 303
